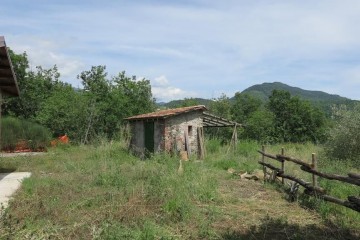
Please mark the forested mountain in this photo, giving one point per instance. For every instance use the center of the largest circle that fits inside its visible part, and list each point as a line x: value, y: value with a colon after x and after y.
x: 264, y: 90
x: 320, y: 99
x: 186, y: 102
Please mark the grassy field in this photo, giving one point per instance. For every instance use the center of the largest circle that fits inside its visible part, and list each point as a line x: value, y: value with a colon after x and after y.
x: 103, y: 192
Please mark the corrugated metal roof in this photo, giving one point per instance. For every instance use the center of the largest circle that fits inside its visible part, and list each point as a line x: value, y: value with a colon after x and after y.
x: 8, y: 83
x: 167, y: 113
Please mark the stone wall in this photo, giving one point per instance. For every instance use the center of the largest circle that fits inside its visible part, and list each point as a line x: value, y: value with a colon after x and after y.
x: 175, y: 128
x: 169, y: 134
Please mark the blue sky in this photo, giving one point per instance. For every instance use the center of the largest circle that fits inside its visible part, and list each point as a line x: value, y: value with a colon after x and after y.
x: 198, y: 48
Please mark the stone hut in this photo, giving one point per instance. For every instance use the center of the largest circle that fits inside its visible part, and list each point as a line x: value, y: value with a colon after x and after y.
x: 173, y: 130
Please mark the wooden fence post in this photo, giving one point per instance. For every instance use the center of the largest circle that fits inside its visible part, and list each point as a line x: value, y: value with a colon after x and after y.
x: 314, y: 167
x: 263, y: 161
x: 283, y: 166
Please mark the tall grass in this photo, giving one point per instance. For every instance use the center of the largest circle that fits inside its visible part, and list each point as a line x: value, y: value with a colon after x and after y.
x: 114, y: 192
x: 14, y: 130
x: 103, y: 192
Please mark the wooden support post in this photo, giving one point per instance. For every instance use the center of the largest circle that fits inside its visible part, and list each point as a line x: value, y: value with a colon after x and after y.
x: 263, y: 161
x: 235, y: 137
x: 283, y: 166
x: 314, y: 166
x: 0, y: 118
x: 203, y: 139
x: 201, y: 143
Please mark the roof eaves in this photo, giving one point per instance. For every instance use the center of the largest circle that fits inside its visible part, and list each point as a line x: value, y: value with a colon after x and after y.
x: 166, y: 114
x: 12, y: 89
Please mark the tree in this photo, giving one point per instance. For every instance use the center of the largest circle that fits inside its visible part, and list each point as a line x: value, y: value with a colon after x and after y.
x: 295, y: 120
x: 137, y: 94
x: 97, y: 92
x: 344, y: 139
x: 110, y: 101
x: 260, y: 126
x: 35, y: 87
x: 96, y: 110
x: 221, y: 106
x: 244, y: 105
x: 64, y: 112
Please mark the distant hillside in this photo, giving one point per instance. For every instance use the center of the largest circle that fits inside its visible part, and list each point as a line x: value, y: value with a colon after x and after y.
x: 264, y: 91
x: 179, y: 103
x: 321, y: 99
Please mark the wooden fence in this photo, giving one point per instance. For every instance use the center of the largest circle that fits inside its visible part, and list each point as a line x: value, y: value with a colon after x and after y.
x: 311, y: 188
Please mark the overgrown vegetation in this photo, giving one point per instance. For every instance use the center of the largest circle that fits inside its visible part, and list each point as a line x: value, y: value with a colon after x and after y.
x: 344, y: 138
x: 283, y: 118
x: 96, y: 110
x: 99, y: 191
x: 102, y: 192
x: 30, y: 135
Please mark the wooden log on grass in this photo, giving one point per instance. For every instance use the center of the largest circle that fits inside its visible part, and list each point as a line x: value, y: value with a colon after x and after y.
x: 332, y: 176
x: 354, y: 199
x: 294, y: 160
x: 328, y: 198
x: 271, y: 167
x: 270, y: 156
x: 306, y: 185
x: 354, y: 175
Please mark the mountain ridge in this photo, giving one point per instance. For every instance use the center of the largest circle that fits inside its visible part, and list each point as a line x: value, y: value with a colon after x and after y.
x: 320, y: 99
x: 312, y: 95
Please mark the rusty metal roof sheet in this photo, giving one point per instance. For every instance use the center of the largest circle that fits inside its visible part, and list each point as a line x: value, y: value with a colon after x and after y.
x: 167, y: 113
x: 8, y: 83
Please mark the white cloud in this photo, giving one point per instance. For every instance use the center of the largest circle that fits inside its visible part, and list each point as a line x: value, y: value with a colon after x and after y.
x: 163, y: 91
x: 47, y: 53
x: 202, y: 45
x: 161, y: 81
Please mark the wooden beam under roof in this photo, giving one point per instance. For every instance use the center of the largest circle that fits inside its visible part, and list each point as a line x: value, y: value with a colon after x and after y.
x: 210, y: 120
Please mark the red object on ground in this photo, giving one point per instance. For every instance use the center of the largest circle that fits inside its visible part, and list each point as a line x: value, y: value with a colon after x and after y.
x: 62, y: 139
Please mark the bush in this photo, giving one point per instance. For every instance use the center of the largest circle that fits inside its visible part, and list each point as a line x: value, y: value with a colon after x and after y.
x: 15, y: 131
x: 213, y: 145
x: 344, y: 138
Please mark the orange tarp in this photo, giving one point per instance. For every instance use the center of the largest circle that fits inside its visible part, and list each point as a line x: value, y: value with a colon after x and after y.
x: 62, y: 139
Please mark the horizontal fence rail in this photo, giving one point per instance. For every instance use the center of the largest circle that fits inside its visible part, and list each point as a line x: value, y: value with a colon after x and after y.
x: 311, y: 188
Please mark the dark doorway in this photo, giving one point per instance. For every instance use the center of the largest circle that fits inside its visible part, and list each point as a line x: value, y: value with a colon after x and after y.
x: 149, y: 136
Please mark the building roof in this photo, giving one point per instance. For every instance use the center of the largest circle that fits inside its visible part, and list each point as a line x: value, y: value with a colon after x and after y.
x: 8, y: 83
x: 167, y: 113
x: 209, y: 120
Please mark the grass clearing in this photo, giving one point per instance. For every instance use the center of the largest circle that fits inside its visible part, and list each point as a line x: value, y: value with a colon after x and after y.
x: 102, y: 192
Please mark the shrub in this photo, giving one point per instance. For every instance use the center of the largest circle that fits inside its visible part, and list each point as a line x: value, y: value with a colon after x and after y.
x: 344, y: 138
x: 10, y: 133
x: 14, y: 130
x: 213, y: 145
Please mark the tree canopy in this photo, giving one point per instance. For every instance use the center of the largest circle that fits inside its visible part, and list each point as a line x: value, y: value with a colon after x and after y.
x: 98, y: 109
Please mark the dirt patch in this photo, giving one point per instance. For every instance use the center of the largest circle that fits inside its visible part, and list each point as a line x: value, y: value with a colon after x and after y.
x: 242, y: 189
